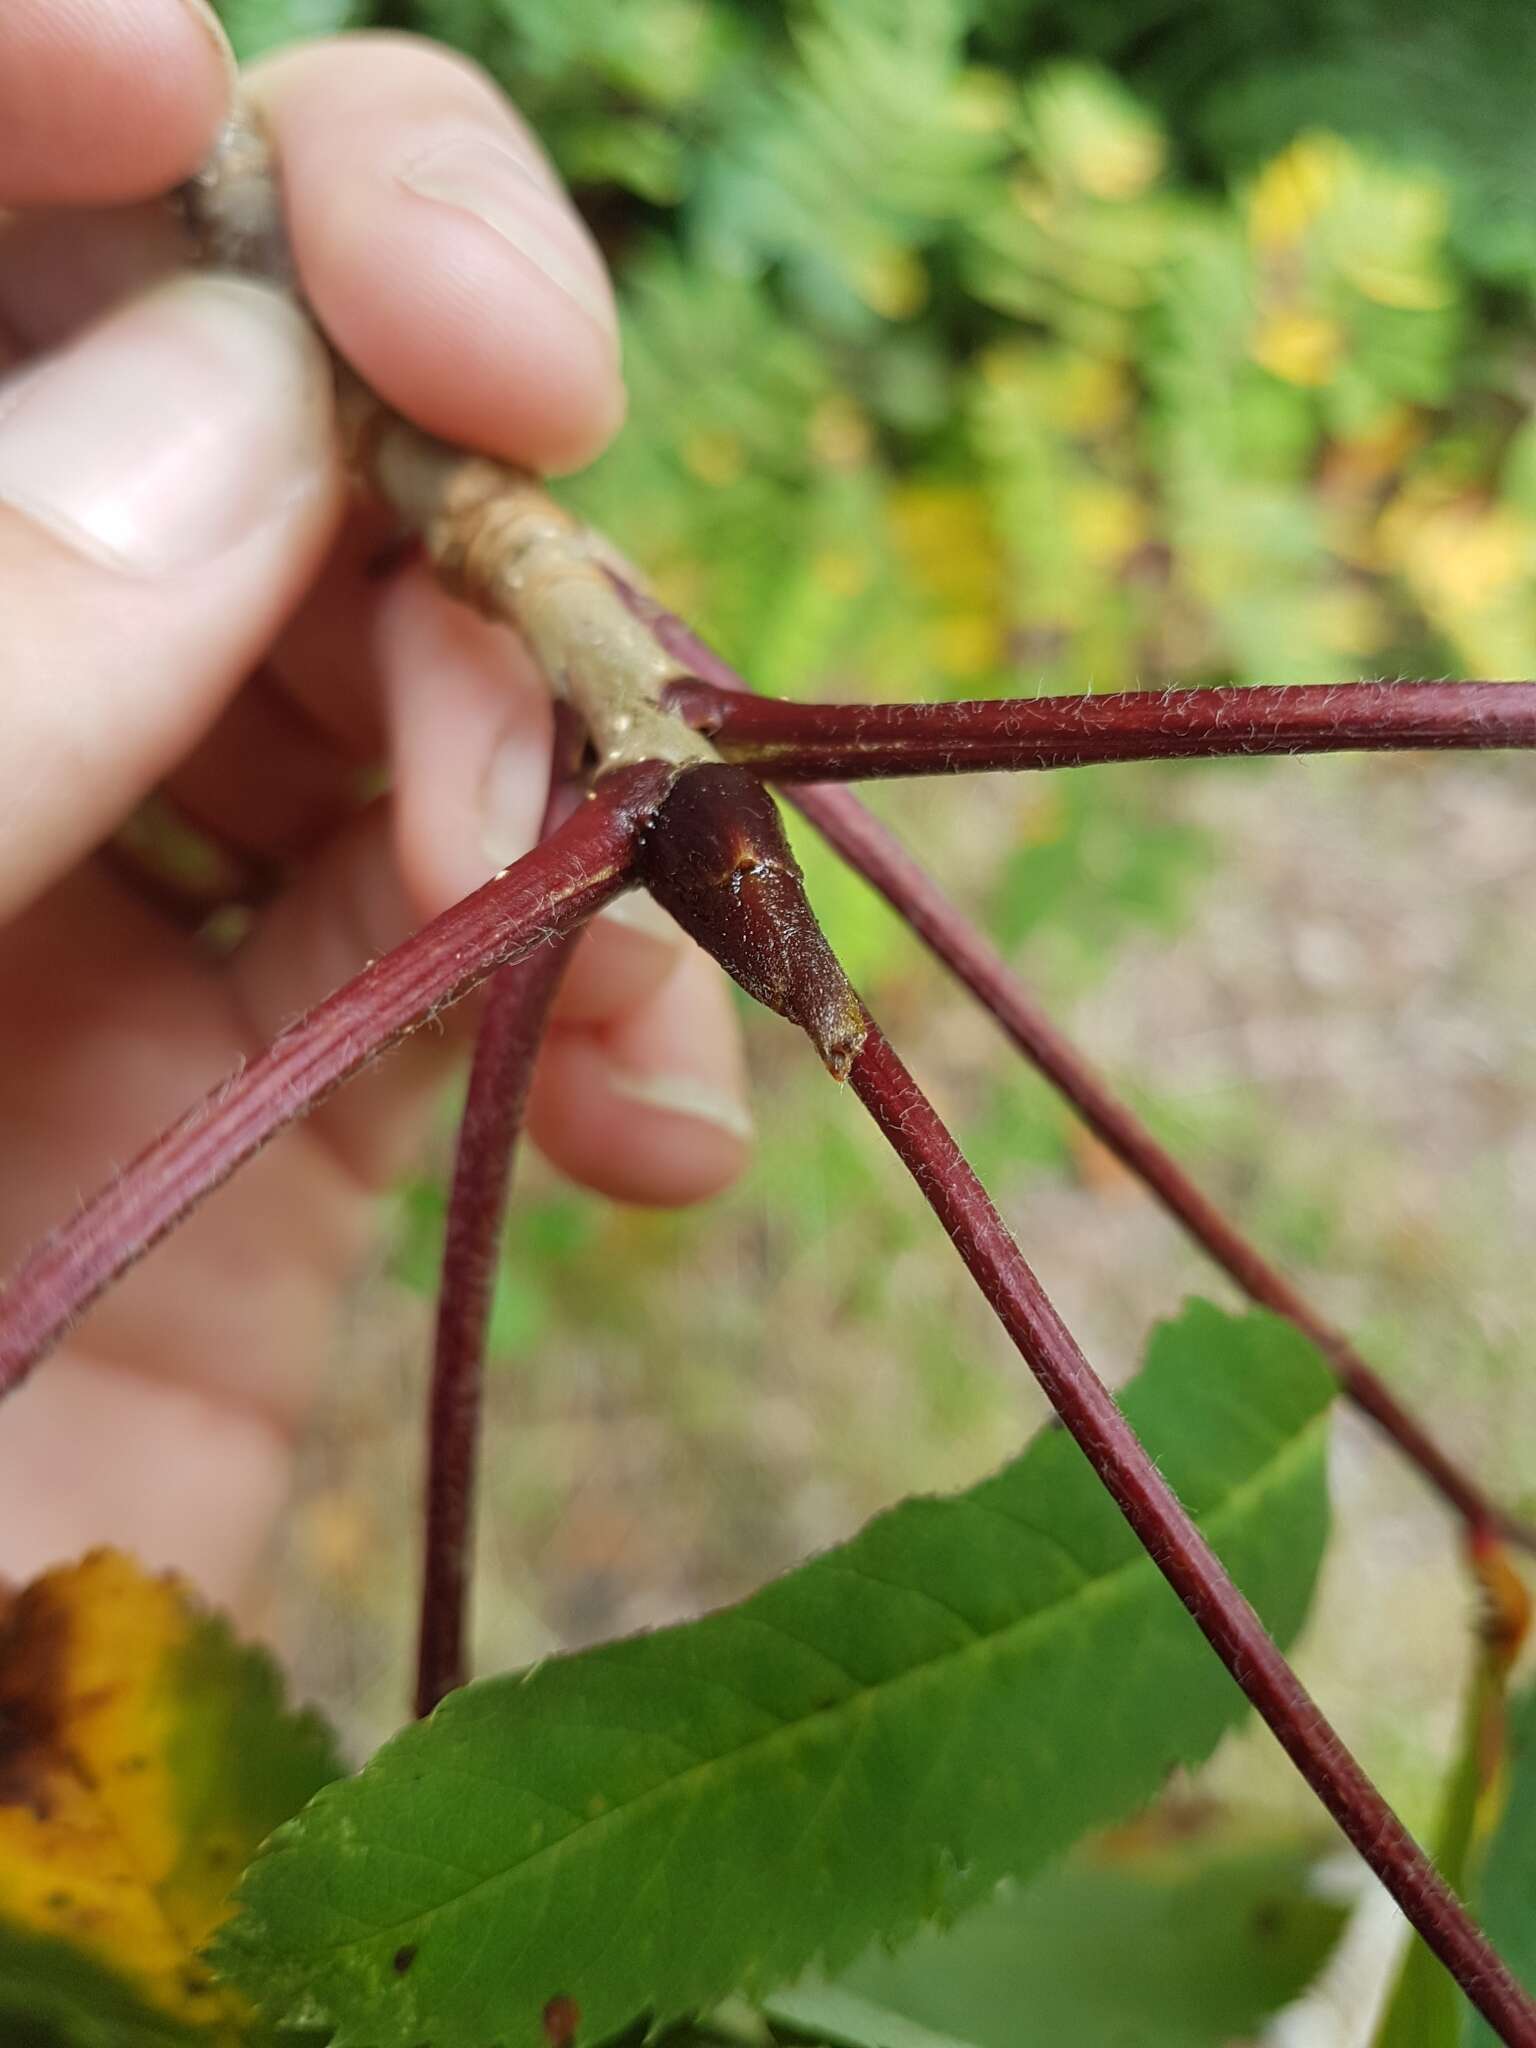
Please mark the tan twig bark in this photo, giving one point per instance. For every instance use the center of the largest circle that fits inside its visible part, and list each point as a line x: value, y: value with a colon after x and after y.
x: 494, y: 534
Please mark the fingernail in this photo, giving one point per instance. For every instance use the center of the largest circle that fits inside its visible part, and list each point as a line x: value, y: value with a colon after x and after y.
x: 493, y: 183
x: 172, y: 431
x: 683, y: 1095
x: 512, y: 799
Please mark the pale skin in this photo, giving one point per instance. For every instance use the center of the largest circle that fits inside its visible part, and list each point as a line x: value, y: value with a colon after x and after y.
x: 185, y: 610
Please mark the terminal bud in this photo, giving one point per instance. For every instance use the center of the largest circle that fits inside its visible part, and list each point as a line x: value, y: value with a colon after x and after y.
x: 714, y: 854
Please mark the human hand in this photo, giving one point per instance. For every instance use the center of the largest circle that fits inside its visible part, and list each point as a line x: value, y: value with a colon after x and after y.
x: 188, y: 609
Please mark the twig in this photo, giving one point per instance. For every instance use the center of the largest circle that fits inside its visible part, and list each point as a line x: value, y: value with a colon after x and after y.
x: 539, y: 898
x: 506, y: 1048
x: 492, y: 531
x: 1175, y: 1546
x: 517, y: 1003
x: 855, y: 742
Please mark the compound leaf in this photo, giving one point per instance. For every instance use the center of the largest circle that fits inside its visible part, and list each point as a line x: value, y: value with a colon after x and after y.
x: 875, y: 1739
x: 144, y: 1754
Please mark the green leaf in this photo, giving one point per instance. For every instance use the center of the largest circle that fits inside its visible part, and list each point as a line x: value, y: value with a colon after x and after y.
x: 1180, y: 1948
x: 144, y: 1754
x: 876, y: 1738
x: 53, y: 1996
x: 255, y: 26
x: 1427, y: 2009
x: 1506, y: 1894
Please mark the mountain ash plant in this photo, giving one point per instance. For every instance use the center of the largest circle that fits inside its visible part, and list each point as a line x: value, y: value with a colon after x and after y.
x: 707, y: 1830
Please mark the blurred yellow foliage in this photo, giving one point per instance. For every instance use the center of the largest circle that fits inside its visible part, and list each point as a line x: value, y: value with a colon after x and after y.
x: 840, y: 433
x: 1090, y: 134
x: 1350, y: 620
x: 1106, y: 523
x: 982, y: 101
x: 1323, y: 205
x: 1302, y: 348
x: 1295, y: 189
x: 943, y: 533
x: 1459, y: 554
x: 841, y: 572
x: 715, y: 457
x: 892, y: 282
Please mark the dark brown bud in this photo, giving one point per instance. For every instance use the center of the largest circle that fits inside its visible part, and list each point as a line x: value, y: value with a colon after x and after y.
x: 716, y: 857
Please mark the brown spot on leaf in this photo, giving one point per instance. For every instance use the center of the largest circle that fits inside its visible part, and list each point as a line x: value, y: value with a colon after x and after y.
x: 562, y: 2016
x: 1268, y: 1920
x: 403, y: 1959
x: 33, y: 1645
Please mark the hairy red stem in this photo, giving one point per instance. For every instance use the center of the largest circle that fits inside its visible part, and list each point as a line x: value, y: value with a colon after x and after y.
x: 539, y: 898
x: 1180, y: 1552
x: 853, y: 742
x: 517, y: 1003
x: 500, y: 1075
x: 874, y: 851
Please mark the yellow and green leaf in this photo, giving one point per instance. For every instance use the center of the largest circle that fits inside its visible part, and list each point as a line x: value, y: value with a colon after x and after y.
x: 144, y: 1755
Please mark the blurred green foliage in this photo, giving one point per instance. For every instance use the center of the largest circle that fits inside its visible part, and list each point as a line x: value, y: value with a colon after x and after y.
x: 1141, y: 1940
x: 1019, y: 345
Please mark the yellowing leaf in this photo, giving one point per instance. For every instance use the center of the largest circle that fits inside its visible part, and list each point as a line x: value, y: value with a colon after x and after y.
x: 892, y: 282
x: 1089, y: 395
x: 1106, y: 522
x: 1350, y: 619
x: 1089, y: 132
x: 840, y: 433
x: 144, y: 1756
x: 714, y: 456
x: 1303, y: 348
x: 981, y: 101
x: 1460, y: 555
x: 1295, y: 189
x: 943, y: 534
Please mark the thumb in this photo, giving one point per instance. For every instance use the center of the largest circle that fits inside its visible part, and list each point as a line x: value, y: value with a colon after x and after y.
x: 168, y: 484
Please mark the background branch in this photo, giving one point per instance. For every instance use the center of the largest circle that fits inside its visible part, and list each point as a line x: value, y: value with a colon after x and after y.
x: 517, y: 1005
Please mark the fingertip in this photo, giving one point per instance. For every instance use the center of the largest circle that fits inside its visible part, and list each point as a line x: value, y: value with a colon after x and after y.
x: 652, y: 1109
x: 655, y: 1155
x: 440, y: 252
x: 107, y: 101
x: 624, y: 956
x: 471, y: 728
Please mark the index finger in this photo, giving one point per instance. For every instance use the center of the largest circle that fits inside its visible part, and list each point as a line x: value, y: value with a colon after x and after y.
x: 439, y: 251
x: 106, y: 101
